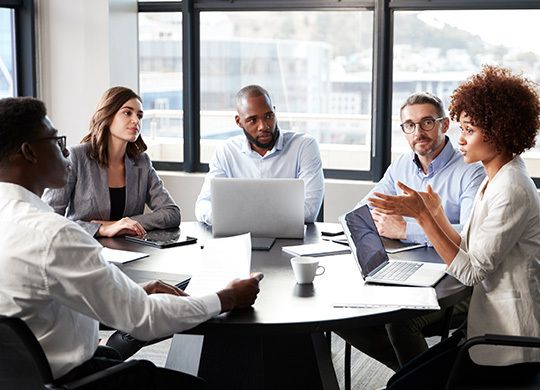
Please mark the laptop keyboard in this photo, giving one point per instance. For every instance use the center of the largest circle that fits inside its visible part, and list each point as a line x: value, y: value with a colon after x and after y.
x: 397, y: 270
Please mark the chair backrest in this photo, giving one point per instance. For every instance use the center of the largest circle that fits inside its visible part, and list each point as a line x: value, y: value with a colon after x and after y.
x: 23, y: 364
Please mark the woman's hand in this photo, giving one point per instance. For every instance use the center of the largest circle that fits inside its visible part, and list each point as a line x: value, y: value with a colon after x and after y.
x: 410, y: 204
x: 125, y: 226
x: 432, y: 200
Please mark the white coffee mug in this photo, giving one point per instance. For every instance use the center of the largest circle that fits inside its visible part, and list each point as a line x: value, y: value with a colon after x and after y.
x: 306, y: 268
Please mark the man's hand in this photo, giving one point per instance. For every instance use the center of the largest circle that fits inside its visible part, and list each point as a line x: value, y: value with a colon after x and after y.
x: 240, y: 293
x: 125, y: 226
x: 159, y: 287
x: 391, y: 226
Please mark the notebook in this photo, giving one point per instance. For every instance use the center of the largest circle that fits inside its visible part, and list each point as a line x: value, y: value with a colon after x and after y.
x: 163, y: 238
x: 263, y: 207
x: 372, y: 259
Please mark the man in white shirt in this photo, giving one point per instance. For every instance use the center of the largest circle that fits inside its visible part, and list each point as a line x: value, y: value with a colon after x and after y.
x: 53, y: 274
x: 265, y: 151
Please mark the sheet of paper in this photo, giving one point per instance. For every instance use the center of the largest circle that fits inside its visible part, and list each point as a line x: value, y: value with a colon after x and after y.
x: 369, y: 295
x: 120, y: 257
x: 223, y: 259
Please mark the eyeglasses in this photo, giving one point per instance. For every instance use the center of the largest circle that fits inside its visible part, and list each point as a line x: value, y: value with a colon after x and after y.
x: 60, y: 140
x: 426, y: 124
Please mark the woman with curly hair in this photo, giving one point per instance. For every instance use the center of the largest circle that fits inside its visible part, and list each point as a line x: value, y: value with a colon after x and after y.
x: 498, y: 251
x: 112, y: 178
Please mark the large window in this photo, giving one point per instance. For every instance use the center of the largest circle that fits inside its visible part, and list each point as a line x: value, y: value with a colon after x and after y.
x: 160, y: 84
x: 317, y: 59
x: 436, y: 50
x: 17, y: 48
x: 315, y: 65
x: 7, y: 57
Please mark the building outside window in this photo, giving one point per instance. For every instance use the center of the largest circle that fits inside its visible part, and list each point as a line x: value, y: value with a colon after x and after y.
x: 436, y: 50
x: 7, y: 63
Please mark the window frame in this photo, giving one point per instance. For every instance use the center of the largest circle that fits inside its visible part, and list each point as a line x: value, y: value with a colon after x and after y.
x: 24, y: 46
x: 382, y: 64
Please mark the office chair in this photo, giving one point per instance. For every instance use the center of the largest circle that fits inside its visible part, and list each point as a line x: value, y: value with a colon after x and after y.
x: 442, y: 329
x: 23, y: 364
x: 458, y: 382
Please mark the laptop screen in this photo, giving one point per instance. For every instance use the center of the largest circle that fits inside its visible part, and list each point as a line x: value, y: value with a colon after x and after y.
x: 364, y: 239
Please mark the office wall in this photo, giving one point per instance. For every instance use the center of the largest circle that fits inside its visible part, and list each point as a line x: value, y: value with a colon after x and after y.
x: 84, y: 47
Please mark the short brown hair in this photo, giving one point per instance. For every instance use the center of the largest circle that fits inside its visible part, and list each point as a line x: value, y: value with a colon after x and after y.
x: 506, y: 106
x: 112, y: 100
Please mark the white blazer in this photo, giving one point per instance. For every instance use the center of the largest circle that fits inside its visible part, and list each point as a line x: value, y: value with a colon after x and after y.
x: 500, y: 256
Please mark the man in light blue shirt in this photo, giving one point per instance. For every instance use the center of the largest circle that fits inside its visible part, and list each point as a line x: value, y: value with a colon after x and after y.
x: 265, y: 151
x: 433, y: 160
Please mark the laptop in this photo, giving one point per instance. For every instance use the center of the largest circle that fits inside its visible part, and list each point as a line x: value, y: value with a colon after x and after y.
x: 375, y: 266
x: 165, y: 238
x: 264, y: 207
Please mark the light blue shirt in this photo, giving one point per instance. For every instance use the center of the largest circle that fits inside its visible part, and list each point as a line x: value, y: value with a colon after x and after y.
x: 295, y: 155
x: 454, y: 180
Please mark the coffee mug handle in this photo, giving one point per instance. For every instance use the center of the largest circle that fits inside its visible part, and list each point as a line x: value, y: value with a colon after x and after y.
x: 319, y: 268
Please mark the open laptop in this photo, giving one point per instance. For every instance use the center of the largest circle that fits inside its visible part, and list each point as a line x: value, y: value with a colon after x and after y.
x: 264, y: 207
x: 375, y: 266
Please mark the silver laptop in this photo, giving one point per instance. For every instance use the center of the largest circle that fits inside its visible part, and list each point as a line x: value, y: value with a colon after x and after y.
x: 375, y: 266
x: 264, y: 207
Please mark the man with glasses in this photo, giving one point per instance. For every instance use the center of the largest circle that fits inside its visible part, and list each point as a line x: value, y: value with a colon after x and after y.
x: 53, y: 275
x: 433, y: 160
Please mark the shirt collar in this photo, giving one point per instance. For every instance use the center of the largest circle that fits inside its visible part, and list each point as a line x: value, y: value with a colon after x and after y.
x: 246, y: 147
x: 440, y: 161
x: 17, y: 192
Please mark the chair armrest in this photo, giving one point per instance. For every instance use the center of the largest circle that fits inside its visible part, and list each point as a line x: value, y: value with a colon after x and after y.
x: 488, y: 339
x: 132, y: 368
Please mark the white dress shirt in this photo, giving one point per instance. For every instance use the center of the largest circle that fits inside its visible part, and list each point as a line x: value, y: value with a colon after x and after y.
x: 55, y: 279
x: 295, y: 156
x: 500, y: 256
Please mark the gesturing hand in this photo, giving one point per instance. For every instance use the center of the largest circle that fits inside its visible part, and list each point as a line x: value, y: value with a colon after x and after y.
x: 410, y: 204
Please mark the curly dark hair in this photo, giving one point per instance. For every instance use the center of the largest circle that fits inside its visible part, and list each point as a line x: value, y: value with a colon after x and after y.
x: 506, y: 106
x: 20, y: 119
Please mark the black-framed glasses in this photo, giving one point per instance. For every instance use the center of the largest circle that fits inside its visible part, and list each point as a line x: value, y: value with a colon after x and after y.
x: 60, y: 140
x: 426, y: 124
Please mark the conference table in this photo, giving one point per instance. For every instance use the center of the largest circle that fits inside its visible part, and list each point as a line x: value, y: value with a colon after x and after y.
x: 279, y: 342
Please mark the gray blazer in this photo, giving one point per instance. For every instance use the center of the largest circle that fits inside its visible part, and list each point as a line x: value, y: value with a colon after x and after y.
x: 85, y: 196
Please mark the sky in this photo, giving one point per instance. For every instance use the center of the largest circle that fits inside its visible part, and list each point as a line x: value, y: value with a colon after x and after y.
x: 513, y: 28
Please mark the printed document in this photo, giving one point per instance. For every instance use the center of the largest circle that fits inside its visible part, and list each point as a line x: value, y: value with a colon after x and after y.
x: 222, y: 260
x: 369, y: 295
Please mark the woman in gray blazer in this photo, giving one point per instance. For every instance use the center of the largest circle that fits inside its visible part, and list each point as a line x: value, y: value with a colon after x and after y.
x: 112, y: 178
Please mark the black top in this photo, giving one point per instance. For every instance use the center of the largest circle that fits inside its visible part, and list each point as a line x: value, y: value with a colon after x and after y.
x: 118, y: 202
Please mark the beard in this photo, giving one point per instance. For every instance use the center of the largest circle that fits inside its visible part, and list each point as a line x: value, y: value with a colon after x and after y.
x: 268, y: 145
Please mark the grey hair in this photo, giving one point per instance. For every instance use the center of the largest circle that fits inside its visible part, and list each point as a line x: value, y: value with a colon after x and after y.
x: 424, y: 98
